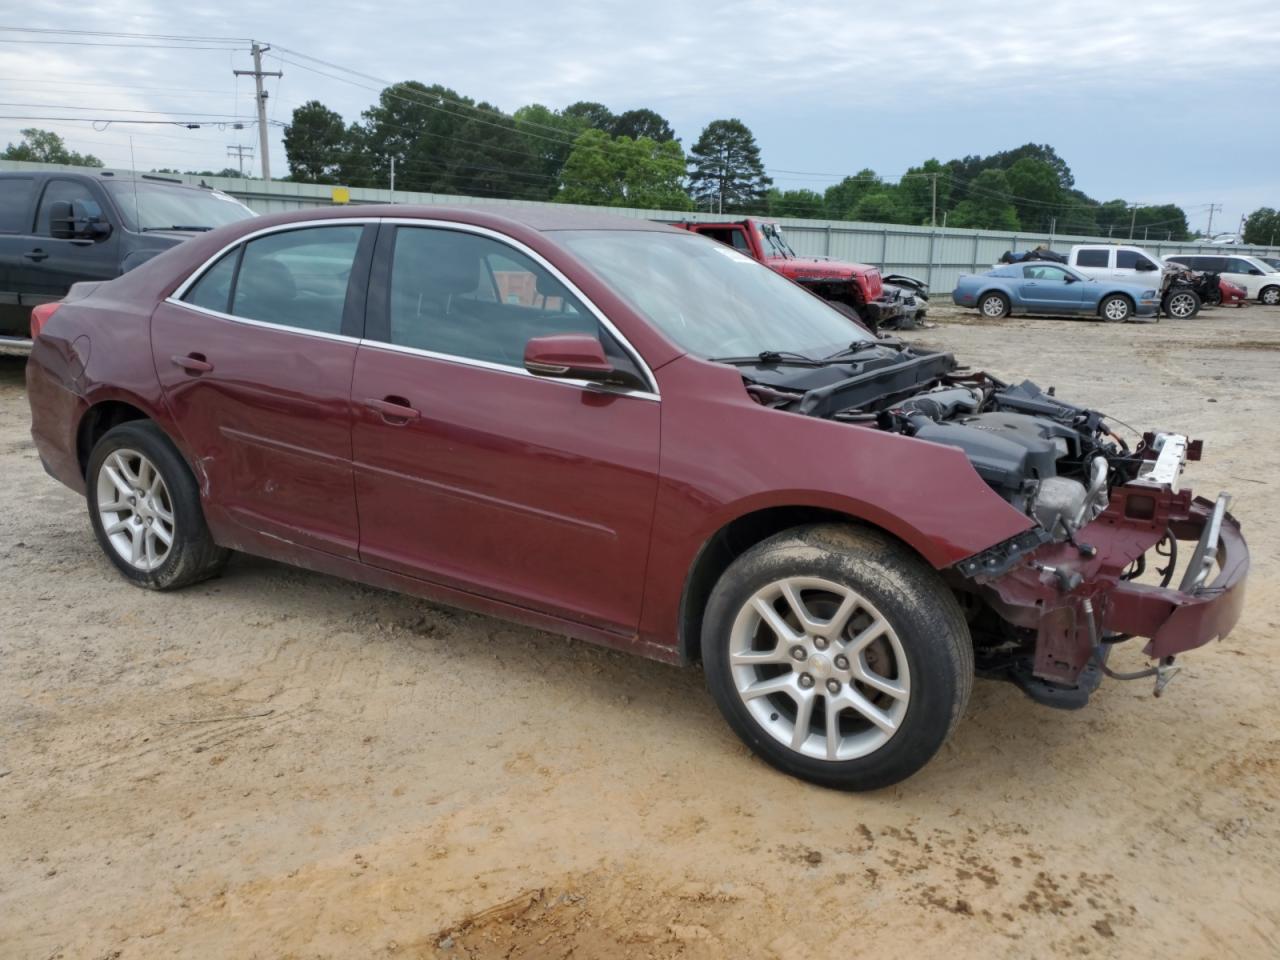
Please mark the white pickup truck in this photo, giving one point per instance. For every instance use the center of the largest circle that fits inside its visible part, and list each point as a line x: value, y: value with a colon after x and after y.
x: 1104, y: 261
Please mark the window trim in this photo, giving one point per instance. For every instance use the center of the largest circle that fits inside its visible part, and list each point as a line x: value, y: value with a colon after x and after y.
x: 379, y: 263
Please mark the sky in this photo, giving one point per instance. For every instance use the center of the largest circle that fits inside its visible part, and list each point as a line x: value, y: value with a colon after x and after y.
x: 1147, y: 102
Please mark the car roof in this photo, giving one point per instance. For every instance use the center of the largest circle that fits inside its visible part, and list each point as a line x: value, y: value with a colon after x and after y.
x: 542, y: 218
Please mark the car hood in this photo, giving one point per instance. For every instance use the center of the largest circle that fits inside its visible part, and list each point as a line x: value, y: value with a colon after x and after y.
x: 819, y: 267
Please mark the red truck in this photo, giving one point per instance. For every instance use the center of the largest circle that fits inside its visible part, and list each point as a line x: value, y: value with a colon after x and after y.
x: 899, y: 302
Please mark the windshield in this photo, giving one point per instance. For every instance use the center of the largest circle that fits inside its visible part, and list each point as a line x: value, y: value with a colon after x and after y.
x: 163, y: 206
x: 710, y: 299
x: 774, y: 241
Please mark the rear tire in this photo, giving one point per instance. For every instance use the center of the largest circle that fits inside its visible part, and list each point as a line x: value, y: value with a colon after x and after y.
x: 144, y: 506
x: 994, y: 306
x: 1116, y: 309
x: 863, y: 653
x: 1270, y: 296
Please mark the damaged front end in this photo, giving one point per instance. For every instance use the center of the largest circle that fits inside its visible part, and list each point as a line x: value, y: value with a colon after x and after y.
x: 1109, y: 524
x: 1049, y: 613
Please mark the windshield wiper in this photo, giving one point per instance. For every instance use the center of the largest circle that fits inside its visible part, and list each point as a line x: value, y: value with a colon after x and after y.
x: 177, y: 226
x: 859, y: 345
x: 770, y: 357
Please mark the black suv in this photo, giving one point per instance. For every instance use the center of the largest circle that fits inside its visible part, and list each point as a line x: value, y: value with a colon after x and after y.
x: 58, y: 228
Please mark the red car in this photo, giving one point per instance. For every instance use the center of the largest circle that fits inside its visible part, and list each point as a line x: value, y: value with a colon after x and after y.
x: 1232, y: 293
x: 634, y: 435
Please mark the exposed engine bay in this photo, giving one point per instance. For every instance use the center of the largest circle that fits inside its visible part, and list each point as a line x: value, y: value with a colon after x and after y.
x: 1050, y: 459
x: 1045, y: 607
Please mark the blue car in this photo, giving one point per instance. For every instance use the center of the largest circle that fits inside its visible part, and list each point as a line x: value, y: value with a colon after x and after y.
x: 1042, y: 287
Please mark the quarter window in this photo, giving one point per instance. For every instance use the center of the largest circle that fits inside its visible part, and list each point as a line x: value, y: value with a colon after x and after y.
x: 213, y: 290
x: 15, y: 200
x: 297, y: 278
x: 1092, y: 258
x: 469, y: 296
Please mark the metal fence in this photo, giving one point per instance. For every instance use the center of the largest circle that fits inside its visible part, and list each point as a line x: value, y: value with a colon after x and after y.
x: 933, y: 254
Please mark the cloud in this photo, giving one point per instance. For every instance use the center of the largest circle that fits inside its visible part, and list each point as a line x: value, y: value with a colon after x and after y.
x: 826, y: 85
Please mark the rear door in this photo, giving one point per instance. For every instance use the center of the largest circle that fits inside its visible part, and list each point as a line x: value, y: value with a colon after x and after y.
x: 51, y: 265
x: 472, y: 472
x: 17, y: 208
x: 255, y: 359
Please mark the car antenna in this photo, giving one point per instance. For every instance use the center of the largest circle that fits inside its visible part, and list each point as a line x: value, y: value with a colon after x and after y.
x: 133, y: 164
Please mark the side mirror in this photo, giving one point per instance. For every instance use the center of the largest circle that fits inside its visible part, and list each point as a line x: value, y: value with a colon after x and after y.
x: 1144, y: 265
x: 77, y: 220
x: 576, y: 356
x: 1255, y: 272
x: 1069, y: 278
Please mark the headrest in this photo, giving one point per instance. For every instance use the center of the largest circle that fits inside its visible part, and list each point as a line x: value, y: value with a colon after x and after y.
x: 266, y: 278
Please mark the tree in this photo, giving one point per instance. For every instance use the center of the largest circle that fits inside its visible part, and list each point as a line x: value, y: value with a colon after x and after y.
x: 490, y: 158
x: 419, y: 126
x: 1262, y: 227
x: 915, y: 193
x: 879, y: 206
x: 315, y: 143
x: 622, y: 172
x: 642, y: 123
x: 795, y: 203
x: 725, y: 171
x: 1037, y: 193
x: 987, y: 205
x: 841, y: 198
x: 550, y: 135
x: 45, y: 146
x: 590, y: 113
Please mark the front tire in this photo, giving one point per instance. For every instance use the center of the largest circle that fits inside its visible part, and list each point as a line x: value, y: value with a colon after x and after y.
x: 1182, y: 304
x: 1270, y: 296
x: 144, y: 506
x: 1115, y: 309
x: 837, y: 656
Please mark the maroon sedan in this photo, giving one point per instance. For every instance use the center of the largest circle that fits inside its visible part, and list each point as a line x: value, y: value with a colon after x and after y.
x: 633, y: 435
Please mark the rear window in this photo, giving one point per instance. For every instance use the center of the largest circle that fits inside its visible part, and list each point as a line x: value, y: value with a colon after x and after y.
x: 1092, y: 258
x: 1132, y: 260
x: 15, y: 201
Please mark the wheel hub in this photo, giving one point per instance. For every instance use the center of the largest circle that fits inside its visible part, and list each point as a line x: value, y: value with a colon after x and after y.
x: 802, y: 651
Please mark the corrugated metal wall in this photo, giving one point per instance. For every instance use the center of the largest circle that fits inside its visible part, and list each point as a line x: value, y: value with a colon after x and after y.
x: 936, y: 256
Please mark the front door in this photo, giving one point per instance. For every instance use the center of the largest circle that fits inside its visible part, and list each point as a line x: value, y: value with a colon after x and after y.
x: 473, y: 473
x: 256, y: 366
x: 51, y: 266
x: 1045, y: 287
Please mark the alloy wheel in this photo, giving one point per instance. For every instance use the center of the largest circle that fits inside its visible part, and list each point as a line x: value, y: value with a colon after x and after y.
x: 1116, y: 309
x: 1181, y: 306
x: 993, y: 307
x: 1271, y: 296
x: 819, y: 668
x: 135, y: 509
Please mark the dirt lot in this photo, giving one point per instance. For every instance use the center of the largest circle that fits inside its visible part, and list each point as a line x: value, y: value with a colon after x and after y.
x: 281, y: 765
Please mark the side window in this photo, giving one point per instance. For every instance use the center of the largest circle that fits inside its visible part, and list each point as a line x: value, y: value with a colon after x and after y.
x: 59, y: 190
x: 213, y: 290
x: 1092, y: 258
x: 463, y: 295
x: 15, y: 201
x: 1236, y: 265
x: 297, y: 278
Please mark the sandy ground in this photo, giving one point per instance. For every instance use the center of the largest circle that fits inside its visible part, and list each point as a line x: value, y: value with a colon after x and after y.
x: 277, y: 764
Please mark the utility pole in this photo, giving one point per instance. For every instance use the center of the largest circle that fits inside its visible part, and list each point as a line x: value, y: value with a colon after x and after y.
x: 1212, y: 208
x: 1133, y: 219
x: 239, y: 151
x: 933, y: 217
x: 258, y: 73
x: 392, y: 198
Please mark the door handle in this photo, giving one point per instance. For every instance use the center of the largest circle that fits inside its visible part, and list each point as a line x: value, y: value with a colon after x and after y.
x: 193, y: 363
x: 37, y: 255
x: 393, y: 408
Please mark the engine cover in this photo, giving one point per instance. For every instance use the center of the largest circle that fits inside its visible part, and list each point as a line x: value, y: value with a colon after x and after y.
x: 1005, y: 448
